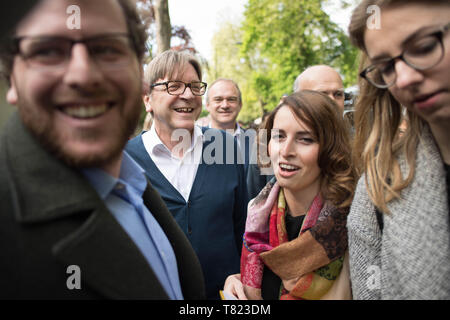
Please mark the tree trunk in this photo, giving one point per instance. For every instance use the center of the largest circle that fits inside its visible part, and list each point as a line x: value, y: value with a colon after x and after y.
x: 163, y: 26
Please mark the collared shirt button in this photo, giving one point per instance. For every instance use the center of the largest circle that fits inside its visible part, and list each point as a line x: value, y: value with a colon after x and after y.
x: 119, y: 186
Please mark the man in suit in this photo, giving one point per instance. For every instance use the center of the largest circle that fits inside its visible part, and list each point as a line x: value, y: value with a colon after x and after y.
x: 78, y: 217
x: 196, y: 170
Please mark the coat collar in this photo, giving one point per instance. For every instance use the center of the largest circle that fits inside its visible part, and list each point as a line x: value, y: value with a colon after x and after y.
x: 43, y: 187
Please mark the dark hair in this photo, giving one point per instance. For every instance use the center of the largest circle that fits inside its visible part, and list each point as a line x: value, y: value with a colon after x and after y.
x: 135, y: 27
x: 321, y: 115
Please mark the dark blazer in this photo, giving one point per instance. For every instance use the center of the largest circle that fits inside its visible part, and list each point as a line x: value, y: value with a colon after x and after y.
x: 51, y: 218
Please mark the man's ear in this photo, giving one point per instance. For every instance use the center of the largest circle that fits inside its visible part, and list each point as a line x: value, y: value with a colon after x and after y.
x: 147, y: 101
x: 11, y: 94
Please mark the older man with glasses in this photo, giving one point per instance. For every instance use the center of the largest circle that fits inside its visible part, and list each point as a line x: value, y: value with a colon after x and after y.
x: 196, y: 170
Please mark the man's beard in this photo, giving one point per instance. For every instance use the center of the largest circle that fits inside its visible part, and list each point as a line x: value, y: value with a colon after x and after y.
x: 54, y: 142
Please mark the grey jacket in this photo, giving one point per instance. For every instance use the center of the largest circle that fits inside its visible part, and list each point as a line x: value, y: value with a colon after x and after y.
x: 410, y: 258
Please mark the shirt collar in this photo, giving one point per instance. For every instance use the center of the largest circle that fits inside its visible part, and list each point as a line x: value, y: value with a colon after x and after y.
x: 131, y: 174
x: 155, y: 142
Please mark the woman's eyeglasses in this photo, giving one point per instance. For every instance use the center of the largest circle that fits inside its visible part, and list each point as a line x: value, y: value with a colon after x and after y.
x: 421, y: 53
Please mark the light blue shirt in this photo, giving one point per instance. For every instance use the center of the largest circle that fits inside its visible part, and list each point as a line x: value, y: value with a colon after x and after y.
x: 123, y: 197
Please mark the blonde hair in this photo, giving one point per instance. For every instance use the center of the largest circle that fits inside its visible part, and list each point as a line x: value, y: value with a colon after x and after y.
x: 377, y: 144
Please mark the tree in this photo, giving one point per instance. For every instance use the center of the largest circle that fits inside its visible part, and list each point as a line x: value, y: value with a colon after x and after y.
x: 163, y: 26
x: 227, y: 63
x: 156, y: 17
x: 283, y: 37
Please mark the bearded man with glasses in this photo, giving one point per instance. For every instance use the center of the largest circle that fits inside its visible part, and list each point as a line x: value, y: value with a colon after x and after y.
x: 79, y: 220
x: 196, y: 170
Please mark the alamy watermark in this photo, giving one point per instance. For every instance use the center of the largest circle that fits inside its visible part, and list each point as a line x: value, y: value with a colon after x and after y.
x: 74, y: 20
x: 221, y: 148
x: 374, y: 280
x: 74, y: 279
x: 374, y: 20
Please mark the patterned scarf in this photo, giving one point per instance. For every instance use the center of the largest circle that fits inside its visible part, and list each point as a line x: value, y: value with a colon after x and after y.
x: 307, y: 265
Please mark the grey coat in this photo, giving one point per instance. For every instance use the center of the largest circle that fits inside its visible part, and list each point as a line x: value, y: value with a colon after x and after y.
x: 410, y: 258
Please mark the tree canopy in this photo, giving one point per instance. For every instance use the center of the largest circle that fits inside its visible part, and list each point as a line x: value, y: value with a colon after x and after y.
x: 277, y: 40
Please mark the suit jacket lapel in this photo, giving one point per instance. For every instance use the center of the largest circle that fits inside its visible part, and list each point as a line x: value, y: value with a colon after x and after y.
x: 136, y: 149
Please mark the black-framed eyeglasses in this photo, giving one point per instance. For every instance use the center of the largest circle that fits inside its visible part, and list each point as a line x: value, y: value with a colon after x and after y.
x: 108, y: 51
x: 176, y: 88
x: 421, y: 53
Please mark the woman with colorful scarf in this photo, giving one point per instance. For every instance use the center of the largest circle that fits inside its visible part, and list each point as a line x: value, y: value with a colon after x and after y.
x: 295, y: 237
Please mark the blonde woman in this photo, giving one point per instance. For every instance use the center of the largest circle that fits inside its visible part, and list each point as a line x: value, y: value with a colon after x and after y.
x: 399, y: 239
x: 295, y: 236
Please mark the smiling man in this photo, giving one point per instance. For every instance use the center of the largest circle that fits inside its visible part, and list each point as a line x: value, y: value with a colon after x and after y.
x: 72, y: 200
x: 224, y: 101
x: 207, y: 198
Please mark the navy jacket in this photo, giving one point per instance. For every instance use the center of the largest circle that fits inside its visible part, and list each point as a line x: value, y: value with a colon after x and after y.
x: 214, y: 217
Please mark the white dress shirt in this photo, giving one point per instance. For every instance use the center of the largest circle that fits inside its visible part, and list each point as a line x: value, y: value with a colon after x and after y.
x: 180, y: 172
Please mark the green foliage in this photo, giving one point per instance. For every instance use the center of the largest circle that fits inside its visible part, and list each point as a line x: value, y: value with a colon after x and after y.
x: 227, y: 63
x: 281, y: 38
x: 277, y: 40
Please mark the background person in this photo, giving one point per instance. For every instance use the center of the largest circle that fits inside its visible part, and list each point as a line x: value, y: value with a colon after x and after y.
x: 224, y: 102
x: 399, y: 220
x: 324, y: 79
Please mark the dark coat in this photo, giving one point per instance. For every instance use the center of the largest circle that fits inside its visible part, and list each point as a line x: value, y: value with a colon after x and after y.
x: 52, y: 218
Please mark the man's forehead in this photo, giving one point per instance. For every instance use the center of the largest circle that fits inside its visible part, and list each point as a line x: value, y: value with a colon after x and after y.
x: 317, y: 76
x: 328, y: 86
x: 222, y: 87
x: 55, y: 17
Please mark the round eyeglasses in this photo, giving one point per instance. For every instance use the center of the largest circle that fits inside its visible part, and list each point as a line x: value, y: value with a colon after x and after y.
x: 421, y: 53
x: 176, y: 88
